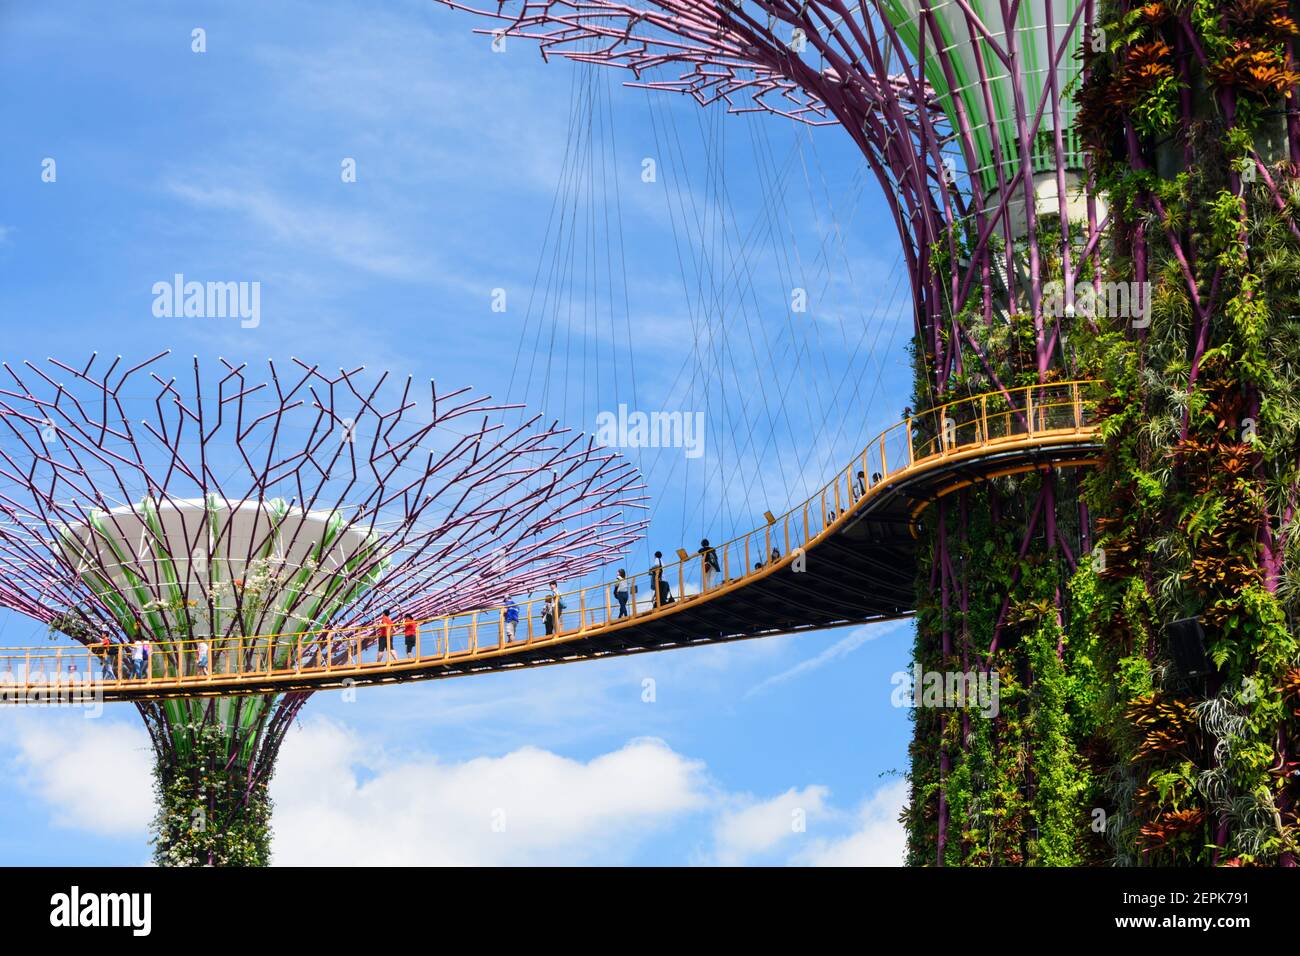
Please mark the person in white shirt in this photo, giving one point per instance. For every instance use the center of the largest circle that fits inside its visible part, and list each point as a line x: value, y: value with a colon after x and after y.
x: 557, y: 606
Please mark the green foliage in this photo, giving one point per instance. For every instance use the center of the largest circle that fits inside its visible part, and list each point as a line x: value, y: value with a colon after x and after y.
x: 209, y: 814
x: 1193, y: 506
x: 1059, y: 782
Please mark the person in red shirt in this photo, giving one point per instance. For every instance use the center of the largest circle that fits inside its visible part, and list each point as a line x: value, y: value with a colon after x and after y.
x: 386, y: 637
x: 105, y: 652
x: 410, y: 629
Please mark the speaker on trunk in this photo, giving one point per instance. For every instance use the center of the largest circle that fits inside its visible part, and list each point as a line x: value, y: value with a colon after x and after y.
x: 1187, y: 643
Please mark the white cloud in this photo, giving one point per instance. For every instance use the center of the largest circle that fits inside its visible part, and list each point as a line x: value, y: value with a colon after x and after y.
x: 757, y: 828
x: 342, y: 798
x: 879, y: 839
x: 526, y: 807
x: 344, y: 236
x: 95, y: 775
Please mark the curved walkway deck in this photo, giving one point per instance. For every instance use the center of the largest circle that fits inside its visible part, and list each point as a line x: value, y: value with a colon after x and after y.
x: 845, y: 556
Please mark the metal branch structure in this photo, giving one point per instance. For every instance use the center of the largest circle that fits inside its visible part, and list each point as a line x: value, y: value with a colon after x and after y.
x: 963, y: 109
x: 218, y: 505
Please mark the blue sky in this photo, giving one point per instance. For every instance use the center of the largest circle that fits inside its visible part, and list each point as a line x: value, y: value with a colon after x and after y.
x: 477, y: 171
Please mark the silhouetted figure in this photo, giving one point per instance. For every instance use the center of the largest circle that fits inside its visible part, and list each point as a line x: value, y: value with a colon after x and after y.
x: 620, y: 592
x: 710, y: 560
x: 663, y: 595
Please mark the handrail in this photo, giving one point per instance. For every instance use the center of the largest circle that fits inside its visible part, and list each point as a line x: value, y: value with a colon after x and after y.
x: 1056, y: 409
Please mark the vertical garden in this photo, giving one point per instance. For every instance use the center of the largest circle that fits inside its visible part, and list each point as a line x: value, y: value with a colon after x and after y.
x: 1189, y: 113
x: 1151, y: 685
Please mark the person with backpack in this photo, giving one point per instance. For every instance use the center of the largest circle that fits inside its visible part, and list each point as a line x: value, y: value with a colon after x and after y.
x: 710, y: 561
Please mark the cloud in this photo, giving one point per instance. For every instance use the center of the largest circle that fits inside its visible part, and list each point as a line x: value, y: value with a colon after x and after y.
x: 344, y: 798
x: 343, y: 236
x: 95, y: 775
x: 757, y: 828
x: 526, y: 807
x: 841, y: 648
x: 879, y: 839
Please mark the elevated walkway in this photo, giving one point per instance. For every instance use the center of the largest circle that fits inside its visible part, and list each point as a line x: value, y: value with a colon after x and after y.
x: 845, y: 556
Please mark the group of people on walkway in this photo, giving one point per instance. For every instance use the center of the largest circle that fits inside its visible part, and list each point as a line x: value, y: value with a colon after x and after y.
x: 389, y: 622
x: 135, y: 654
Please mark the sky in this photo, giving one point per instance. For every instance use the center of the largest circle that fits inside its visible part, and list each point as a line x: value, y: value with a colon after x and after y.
x: 649, y: 252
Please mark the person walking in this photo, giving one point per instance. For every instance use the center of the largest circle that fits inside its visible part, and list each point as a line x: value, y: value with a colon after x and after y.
x: 511, y: 618
x: 141, y: 652
x: 548, y: 614
x: 386, y: 637
x: 105, y: 652
x: 620, y: 592
x: 202, y: 650
x: 557, y: 607
x: 409, y: 631
x: 709, y: 558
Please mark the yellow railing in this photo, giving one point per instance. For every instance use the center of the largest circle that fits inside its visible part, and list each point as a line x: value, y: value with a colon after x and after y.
x: 960, y: 427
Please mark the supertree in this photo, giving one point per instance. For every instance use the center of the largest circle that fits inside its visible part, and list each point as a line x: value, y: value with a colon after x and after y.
x: 227, y: 504
x: 1106, y: 189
